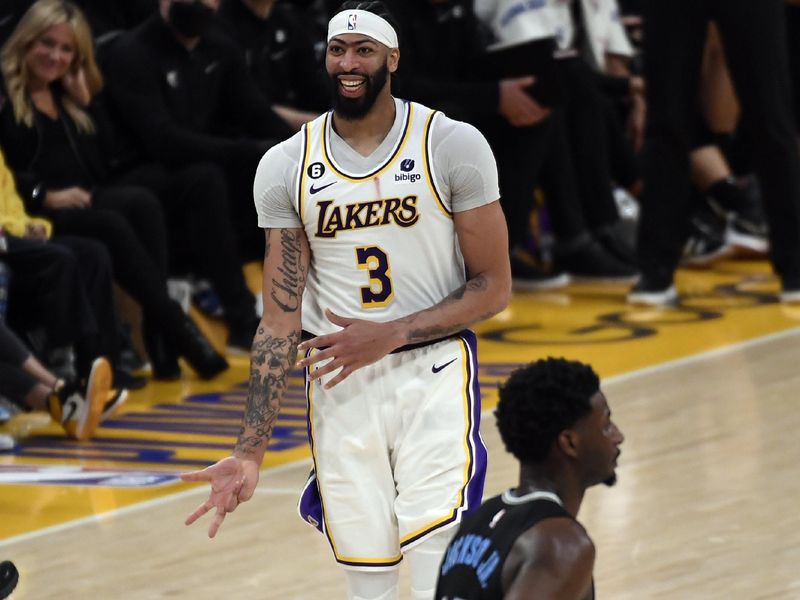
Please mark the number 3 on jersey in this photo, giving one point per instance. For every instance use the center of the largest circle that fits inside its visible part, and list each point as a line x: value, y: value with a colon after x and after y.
x: 379, y: 291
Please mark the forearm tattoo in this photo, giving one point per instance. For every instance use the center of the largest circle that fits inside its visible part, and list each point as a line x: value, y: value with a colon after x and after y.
x: 271, y: 360
x: 476, y: 284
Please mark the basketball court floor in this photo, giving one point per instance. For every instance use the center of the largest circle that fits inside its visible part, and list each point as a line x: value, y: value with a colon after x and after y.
x: 707, y: 505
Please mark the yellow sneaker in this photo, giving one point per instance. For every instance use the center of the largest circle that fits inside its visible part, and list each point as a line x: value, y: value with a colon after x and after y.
x: 80, y: 413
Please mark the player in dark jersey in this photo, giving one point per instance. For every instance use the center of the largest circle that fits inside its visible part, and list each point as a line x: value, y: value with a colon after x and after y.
x: 526, y: 543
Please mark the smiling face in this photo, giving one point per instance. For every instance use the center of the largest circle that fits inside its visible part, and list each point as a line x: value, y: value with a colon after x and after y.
x: 51, y: 55
x: 358, y: 68
x: 600, y: 439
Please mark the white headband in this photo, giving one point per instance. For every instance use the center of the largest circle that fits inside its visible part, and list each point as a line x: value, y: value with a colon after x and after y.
x: 365, y: 23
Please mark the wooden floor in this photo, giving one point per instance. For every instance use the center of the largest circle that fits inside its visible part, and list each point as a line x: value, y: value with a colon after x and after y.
x: 707, y: 505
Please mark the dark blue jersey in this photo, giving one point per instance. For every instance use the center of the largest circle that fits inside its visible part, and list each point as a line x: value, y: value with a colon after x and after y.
x: 473, y: 563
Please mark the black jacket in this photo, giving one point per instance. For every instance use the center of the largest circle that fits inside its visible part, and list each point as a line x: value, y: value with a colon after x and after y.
x: 279, y: 53
x: 442, y: 58
x: 189, y: 106
x: 22, y: 147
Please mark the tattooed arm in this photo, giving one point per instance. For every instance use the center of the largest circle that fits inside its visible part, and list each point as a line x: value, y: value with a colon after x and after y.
x: 274, y: 349
x: 483, y: 240
x: 233, y: 479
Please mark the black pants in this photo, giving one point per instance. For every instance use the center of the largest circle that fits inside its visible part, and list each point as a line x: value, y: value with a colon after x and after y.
x: 793, y: 29
x: 589, y: 144
x: 64, y: 287
x: 754, y: 37
x: 15, y: 383
x: 129, y: 222
x: 529, y: 157
x: 202, y: 238
x: 625, y: 163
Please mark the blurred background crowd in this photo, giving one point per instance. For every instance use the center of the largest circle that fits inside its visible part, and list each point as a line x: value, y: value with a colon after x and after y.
x: 632, y: 137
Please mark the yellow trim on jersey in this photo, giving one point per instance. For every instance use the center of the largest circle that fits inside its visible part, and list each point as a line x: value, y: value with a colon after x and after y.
x: 468, y: 464
x: 301, y: 199
x: 429, y: 166
x: 379, y: 170
x: 326, y: 528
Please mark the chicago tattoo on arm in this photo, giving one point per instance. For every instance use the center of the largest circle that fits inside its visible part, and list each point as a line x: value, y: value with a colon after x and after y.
x: 287, y: 288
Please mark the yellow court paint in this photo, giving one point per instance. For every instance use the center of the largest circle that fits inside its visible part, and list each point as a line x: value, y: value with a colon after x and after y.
x: 172, y: 427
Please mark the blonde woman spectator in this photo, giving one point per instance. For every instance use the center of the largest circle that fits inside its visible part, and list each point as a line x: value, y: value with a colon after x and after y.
x: 53, y: 145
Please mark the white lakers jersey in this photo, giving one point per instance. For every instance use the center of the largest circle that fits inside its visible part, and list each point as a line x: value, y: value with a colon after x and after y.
x: 383, y: 242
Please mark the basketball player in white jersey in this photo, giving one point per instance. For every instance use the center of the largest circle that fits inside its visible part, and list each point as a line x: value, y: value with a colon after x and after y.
x: 385, y: 232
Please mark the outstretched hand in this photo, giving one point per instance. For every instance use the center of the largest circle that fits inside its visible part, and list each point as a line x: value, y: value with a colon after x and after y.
x: 233, y: 481
x: 358, y: 344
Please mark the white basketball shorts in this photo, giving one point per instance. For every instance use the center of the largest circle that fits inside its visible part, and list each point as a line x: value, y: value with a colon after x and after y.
x: 397, y: 452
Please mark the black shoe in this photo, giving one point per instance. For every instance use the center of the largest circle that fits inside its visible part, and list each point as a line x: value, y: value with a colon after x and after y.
x: 790, y: 290
x: 528, y: 276
x: 748, y: 232
x: 193, y: 345
x: 114, y: 399
x: 61, y: 362
x: 744, y: 215
x: 653, y: 291
x: 124, y: 379
x: 129, y: 359
x: 613, y: 239
x: 587, y: 260
x: 706, y: 242
x: 9, y: 576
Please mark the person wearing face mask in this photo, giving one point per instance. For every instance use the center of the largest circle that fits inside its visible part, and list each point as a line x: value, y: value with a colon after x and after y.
x: 186, y: 94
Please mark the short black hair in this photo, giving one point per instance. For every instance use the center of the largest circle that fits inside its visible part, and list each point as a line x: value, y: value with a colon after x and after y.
x: 374, y: 6
x: 539, y: 401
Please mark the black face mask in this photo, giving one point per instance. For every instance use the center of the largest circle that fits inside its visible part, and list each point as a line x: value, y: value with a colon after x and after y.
x: 190, y: 19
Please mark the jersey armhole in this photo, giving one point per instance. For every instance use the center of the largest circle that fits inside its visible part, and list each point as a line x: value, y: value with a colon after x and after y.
x: 429, y: 171
x: 301, y: 172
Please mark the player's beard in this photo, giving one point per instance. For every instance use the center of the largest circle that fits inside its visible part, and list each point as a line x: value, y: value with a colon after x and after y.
x: 355, y: 108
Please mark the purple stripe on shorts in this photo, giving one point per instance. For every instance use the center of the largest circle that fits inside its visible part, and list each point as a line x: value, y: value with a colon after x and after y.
x: 474, y: 491
x: 310, y: 504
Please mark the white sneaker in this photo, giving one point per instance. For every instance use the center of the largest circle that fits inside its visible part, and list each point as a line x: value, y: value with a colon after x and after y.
x: 790, y: 296
x: 180, y: 290
x: 6, y: 442
x: 648, y: 297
